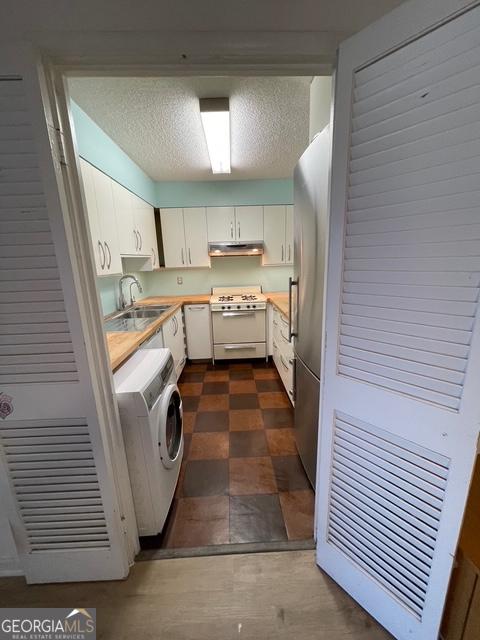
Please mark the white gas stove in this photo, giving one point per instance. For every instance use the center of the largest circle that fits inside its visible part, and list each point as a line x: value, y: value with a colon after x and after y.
x: 237, y: 298
x: 238, y: 322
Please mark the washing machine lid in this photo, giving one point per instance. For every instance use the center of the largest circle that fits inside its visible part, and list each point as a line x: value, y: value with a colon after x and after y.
x: 138, y: 372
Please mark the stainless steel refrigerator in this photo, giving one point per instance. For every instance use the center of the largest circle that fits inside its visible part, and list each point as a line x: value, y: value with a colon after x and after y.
x: 311, y: 183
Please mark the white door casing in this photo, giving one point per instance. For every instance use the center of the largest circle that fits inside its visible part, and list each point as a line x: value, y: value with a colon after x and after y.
x: 399, y: 405
x: 55, y: 470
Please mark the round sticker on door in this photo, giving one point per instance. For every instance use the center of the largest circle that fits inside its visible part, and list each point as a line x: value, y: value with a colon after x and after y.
x: 6, y: 405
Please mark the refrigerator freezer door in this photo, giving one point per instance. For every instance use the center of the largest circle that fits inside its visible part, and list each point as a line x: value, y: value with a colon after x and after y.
x: 311, y: 181
x: 306, y: 417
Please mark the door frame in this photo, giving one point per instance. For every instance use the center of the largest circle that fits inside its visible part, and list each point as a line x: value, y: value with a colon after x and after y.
x: 53, y: 75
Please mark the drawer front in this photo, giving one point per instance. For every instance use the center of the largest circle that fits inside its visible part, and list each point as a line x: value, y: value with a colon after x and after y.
x: 242, y: 350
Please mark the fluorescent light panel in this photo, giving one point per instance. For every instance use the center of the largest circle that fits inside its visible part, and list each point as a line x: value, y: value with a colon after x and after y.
x: 215, y: 116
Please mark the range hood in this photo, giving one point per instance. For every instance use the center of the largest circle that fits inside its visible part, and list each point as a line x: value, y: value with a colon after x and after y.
x: 222, y: 249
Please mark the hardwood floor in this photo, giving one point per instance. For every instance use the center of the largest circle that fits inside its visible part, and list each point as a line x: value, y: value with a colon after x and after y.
x: 250, y: 597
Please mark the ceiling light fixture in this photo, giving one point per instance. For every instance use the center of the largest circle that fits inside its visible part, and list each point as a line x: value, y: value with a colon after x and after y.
x: 215, y: 114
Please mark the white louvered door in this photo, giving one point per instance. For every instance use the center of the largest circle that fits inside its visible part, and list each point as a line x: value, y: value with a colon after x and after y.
x: 54, y: 477
x: 400, y: 408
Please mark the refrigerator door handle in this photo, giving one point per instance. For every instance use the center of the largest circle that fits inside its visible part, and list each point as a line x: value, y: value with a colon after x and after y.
x: 291, y: 283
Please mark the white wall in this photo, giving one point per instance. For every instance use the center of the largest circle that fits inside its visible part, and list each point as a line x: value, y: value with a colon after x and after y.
x: 320, y: 103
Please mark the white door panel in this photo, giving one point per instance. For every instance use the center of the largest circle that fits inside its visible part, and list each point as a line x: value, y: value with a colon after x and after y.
x: 123, y: 203
x: 55, y: 474
x: 196, y: 241
x: 221, y: 224
x: 399, y: 409
x: 173, y: 238
x: 289, y: 234
x: 93, y: 221
x: 249, y: 223
x: 274, y: 234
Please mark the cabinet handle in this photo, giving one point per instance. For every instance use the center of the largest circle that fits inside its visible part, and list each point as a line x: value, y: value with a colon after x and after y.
x: 141, y: 241
x: 154, y: 257
x: 231, y: 230
x: 197, y: 308
x: 289, y: 252
x: 183, y: 260
x: 189, y: 256
x: 109, y: 255
x: 136, y: 240
x: 102, y: 255
x: 282, y: 253
x: 239, y: 236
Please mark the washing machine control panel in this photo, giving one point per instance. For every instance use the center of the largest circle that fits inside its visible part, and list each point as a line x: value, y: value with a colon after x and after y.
x: 157, y: 385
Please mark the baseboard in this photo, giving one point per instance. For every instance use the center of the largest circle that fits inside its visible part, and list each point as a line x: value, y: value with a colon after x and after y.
x: 10, y: 568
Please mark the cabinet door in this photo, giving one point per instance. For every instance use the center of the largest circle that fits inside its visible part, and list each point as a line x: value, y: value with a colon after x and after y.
x: 249, y: 223
x: 92, y: 212
x: 221, y: 224
x: 145, y: 224
x: 198, y: 331
x: 275, y: 250
x: 173, y: 237
x: 107, y: 222
x: 289, y: 234
x: 196, y: 240
x: 173, y: 339
x: 123, y: 204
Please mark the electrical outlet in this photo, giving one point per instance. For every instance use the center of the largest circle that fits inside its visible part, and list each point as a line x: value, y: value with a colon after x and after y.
x: 179, y: 280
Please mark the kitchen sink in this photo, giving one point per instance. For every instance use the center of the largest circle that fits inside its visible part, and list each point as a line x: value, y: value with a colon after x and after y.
x: 136, y: 319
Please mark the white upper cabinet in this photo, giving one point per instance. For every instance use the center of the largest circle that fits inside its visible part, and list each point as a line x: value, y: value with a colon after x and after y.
x: 289, y: 234
x: 144, y: 220
x: 221, y: 224
x: 185, y: 242
x: 278, y: 234
x: 173, y: 234
x: 249, y: 223
x: 230, y: 224
x: 121, y: 223
x: 127, y: 236
x: 101, y: 215
x: 196, y: 240
x: 92, y: 211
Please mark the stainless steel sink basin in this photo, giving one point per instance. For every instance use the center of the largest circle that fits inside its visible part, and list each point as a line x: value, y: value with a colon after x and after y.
x: 136, y: 319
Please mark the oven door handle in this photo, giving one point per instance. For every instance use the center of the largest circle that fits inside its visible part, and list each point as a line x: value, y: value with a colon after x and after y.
x: 233, y: 314
x: 238, y: 347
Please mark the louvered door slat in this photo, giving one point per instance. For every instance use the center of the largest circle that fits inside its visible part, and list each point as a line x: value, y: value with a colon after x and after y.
x: 354, y: 536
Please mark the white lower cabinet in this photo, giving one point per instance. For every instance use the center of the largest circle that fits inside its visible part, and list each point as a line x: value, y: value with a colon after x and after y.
x: 283, y: 356
x: 198, y: 329
x: 173, y: 339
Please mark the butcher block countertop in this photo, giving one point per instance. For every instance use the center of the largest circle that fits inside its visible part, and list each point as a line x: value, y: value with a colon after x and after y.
x: 121, y: 344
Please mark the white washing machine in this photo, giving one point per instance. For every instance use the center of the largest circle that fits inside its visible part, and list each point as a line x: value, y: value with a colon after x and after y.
x: 152, y: 423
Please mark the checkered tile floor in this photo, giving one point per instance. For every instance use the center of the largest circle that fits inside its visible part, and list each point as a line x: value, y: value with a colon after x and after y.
x: 241, y: 479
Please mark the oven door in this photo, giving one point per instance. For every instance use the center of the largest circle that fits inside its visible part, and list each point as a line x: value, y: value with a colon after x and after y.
x: 238, y: 326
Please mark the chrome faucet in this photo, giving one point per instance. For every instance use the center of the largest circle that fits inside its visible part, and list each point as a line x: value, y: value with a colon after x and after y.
x: 121, y: 296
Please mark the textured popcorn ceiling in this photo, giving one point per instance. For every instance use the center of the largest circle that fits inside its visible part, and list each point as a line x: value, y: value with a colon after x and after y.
x: 156, y: 121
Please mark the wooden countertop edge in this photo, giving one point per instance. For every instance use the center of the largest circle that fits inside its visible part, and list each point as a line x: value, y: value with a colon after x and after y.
x: 131, y: 340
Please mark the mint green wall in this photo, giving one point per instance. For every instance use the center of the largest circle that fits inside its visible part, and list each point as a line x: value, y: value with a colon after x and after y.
x: 224, y: 193
x: 108, y: 290
x: 100, y: 150
x: 239, y: 270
